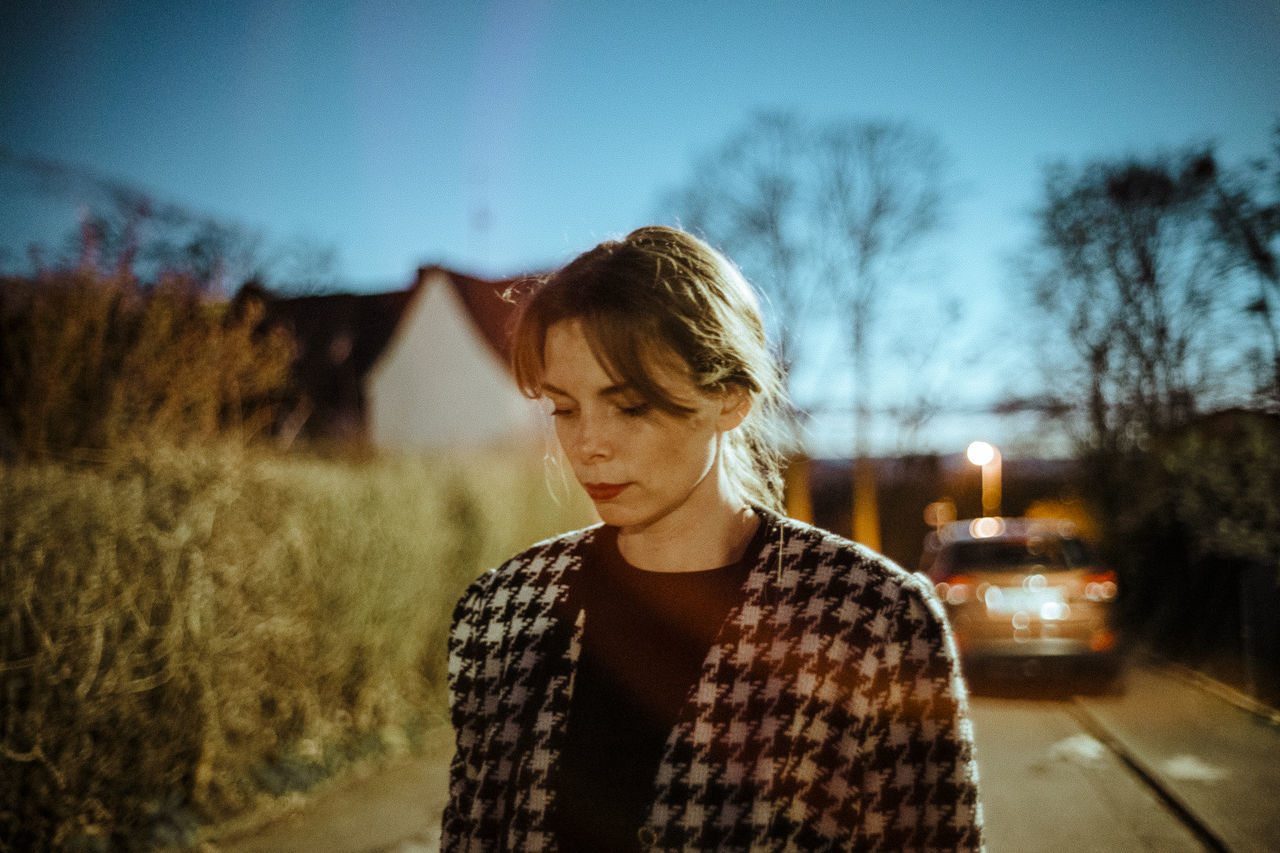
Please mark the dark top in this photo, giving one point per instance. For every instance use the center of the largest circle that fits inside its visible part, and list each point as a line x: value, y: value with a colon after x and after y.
x: 644, y: 640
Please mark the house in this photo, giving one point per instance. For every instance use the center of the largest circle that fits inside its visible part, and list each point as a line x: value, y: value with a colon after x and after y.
x: 420, y: 368
x: 444, y: 377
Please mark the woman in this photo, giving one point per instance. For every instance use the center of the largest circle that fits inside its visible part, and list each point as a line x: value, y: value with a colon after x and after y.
x: 698, y: 672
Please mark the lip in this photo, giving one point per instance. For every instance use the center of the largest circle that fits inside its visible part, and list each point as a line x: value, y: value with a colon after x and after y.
x: 604, y: 491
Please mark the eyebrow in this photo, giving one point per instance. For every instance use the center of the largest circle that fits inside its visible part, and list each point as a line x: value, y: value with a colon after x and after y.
x: 610, y: 391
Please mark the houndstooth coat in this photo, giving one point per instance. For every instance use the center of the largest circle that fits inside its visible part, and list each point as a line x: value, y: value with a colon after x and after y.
x: 829, y: 714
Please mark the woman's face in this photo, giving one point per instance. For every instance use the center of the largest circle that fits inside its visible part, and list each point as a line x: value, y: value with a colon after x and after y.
x: 639, y: 465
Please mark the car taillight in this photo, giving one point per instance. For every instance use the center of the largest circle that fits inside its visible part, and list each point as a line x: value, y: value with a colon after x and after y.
x: 1102, y: 641
x: 1100, y: 586
x: 956, y: 589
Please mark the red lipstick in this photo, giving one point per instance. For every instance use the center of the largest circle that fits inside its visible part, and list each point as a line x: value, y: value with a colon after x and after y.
x: 604, y: 491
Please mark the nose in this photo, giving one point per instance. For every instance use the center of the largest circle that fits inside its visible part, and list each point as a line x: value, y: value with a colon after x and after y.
x: 591, y: 439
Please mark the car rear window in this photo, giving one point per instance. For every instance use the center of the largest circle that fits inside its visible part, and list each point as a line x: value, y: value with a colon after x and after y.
x: 1013, y: 555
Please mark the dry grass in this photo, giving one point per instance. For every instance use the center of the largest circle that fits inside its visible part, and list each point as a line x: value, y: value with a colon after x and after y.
x: 91, y: 362
x: 185, y: 634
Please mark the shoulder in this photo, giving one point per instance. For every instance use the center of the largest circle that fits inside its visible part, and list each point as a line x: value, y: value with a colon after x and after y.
x: 822, y: 565
x: 537, y: 566
x: 558, y: 552
x: 806, y: 547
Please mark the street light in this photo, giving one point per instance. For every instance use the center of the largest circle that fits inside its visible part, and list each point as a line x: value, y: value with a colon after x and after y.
x: 987, y: 457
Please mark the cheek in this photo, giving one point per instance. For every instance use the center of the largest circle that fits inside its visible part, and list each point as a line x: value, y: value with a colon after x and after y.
x: 687, y: 447
x: 564, y: 434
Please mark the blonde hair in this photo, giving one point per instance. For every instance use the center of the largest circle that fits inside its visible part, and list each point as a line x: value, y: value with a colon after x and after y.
x: 657, y: 292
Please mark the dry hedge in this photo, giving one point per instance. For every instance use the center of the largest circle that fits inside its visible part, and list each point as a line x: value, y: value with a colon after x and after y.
x: 89, y: 362
x: 183, y: 634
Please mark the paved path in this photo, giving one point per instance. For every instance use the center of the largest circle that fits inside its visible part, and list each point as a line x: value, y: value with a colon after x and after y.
x: 396, y: 810
x: 1047, y: 785
x: 1215, y: 759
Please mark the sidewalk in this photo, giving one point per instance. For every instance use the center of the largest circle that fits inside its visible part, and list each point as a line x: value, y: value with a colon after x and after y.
x: 1217, y: 759
x: 393, y: 810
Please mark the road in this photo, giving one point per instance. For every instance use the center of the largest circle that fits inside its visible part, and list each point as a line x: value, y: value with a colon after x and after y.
x: 1161, y: 765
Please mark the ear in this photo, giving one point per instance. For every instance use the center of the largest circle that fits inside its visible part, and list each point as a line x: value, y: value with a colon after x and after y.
x: 735, y: 405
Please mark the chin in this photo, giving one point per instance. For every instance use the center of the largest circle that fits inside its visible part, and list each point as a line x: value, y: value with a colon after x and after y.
x: 613, y: 516
x: 622, y: 514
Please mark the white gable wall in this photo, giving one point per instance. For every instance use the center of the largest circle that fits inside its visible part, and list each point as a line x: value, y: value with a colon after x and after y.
x: 439, y: 384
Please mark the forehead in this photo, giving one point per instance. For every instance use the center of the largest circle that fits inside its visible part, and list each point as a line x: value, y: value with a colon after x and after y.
x: 571, y: 364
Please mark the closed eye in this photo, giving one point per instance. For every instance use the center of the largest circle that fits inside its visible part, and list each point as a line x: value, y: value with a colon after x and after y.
x: 636, y: 411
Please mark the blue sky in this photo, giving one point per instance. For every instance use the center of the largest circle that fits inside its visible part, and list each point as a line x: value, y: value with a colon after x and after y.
x: 501, y: 137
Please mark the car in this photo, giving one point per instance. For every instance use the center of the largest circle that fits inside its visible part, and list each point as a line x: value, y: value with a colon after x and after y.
x: 1026, y: 596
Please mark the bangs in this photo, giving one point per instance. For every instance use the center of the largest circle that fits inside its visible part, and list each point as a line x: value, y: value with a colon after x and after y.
x: 630, y: 351
x: 628, y: 348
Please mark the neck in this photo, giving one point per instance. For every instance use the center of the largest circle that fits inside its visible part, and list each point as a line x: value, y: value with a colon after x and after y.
x: 693, y: 539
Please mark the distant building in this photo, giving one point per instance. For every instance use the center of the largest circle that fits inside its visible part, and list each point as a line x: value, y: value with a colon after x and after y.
x: 420, y: 368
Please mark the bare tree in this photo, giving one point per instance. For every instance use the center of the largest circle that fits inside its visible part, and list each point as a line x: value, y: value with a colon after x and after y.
x: 882, y: 193
x: 822, y: 217
x: 751, y: 197
x: 1247, y: 216
x: 1153, y: 273
x: 1133, y: 276
x: 126, y: 230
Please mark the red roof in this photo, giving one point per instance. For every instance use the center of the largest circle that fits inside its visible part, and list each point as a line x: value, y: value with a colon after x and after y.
x: 341, y: 336
x: 486, y: 303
